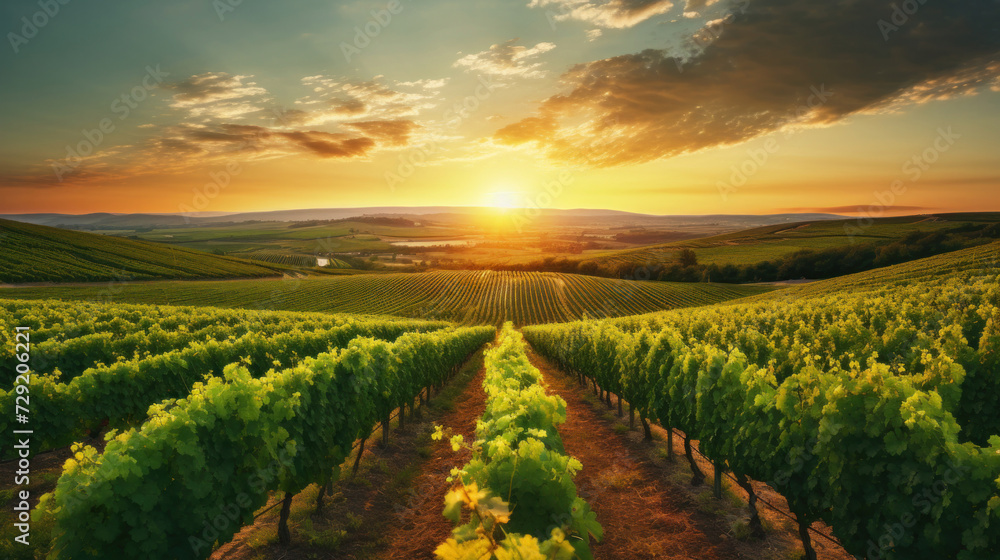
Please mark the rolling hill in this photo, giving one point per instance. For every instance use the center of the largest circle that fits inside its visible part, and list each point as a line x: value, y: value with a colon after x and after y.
x: 443, y: 214
x: 970, y: 264
x: 34, y: 253
x: 776, y: 241
x: 484, y: 297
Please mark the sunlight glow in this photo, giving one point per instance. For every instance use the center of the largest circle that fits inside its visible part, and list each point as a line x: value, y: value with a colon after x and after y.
x: 503, y: 199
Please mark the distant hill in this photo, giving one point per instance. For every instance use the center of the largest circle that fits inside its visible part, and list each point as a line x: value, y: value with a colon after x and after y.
x: 771, y: 242
x: 443, y: 214
x: 982, y: 262
x: 33, y: 253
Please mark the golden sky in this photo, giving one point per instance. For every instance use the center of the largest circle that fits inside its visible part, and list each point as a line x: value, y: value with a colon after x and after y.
x: 653, y: 106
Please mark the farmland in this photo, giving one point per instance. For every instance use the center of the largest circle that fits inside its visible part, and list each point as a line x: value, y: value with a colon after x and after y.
x: 470, y: 297
x: 921, y: 336
x: 34, y: 253
x: 773, y: 242
x: 318, y: 374
x: 288, y: 401
x: 877, y: 384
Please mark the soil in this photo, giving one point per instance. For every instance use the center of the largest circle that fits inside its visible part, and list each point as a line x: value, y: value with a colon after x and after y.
x: 646, y: 505
x: 423, y: 527
x: 392, y: 509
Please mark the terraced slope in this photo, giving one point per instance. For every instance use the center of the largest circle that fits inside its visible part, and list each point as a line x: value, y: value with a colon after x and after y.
x: 32, y: 253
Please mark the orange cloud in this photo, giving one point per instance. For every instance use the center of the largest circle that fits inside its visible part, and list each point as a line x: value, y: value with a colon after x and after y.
x: 776, y: 64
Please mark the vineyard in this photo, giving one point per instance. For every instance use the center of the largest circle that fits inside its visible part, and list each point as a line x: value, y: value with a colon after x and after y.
x: 109, y: 377
x: 289, y: 259
x: 967, y: 263
x: 470, y: 297
x: 34, y: 253
x: 874, y: 410
x: 211, y: 411
x: 870, y: 402
x: 518, y: 455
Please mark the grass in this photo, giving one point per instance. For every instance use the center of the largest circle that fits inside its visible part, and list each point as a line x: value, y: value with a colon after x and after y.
x: 35, y: 253
x: 278, y: 242
x: 617, y: 478
x: 42, y: 481
x: 983, y: 260
x: 769, y: 243
x: 470, y: 297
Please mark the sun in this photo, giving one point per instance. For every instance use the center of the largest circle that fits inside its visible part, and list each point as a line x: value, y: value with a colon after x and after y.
x: 503, y: 200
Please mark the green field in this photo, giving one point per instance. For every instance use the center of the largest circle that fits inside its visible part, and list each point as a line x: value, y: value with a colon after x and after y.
x: 973, y: 262
x: 33, y: 253
x: 286, y: 259
x: 470, y: 297
x: 872, y: 385
x: 774, y: 242
x: 289, y: 238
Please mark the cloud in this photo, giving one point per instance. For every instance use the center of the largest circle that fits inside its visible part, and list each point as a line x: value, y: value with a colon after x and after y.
x: 776, y: 64
x: 259, y: 142
x: 507, y: 59
x: 329, y: 145
x: 616, y: 14
x: 217, y: 95
x: 694, y: 7
x: 333, y: 100
x: 394, y: 133
x: 360, y: 118
x: 426, y: 84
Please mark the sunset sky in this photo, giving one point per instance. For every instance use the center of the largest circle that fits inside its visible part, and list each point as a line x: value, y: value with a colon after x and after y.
x: 653, y: 106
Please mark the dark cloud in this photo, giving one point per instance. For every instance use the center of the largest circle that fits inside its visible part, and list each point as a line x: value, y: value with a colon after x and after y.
x: 770, y: 67
x: 231, y: 138
x: 330, y: 145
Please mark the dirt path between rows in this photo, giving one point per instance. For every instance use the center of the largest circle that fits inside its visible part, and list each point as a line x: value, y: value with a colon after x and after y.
x: 646, y: 504
x: 642, y: 516
x: 422, y: 527
x: 392, y: 508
